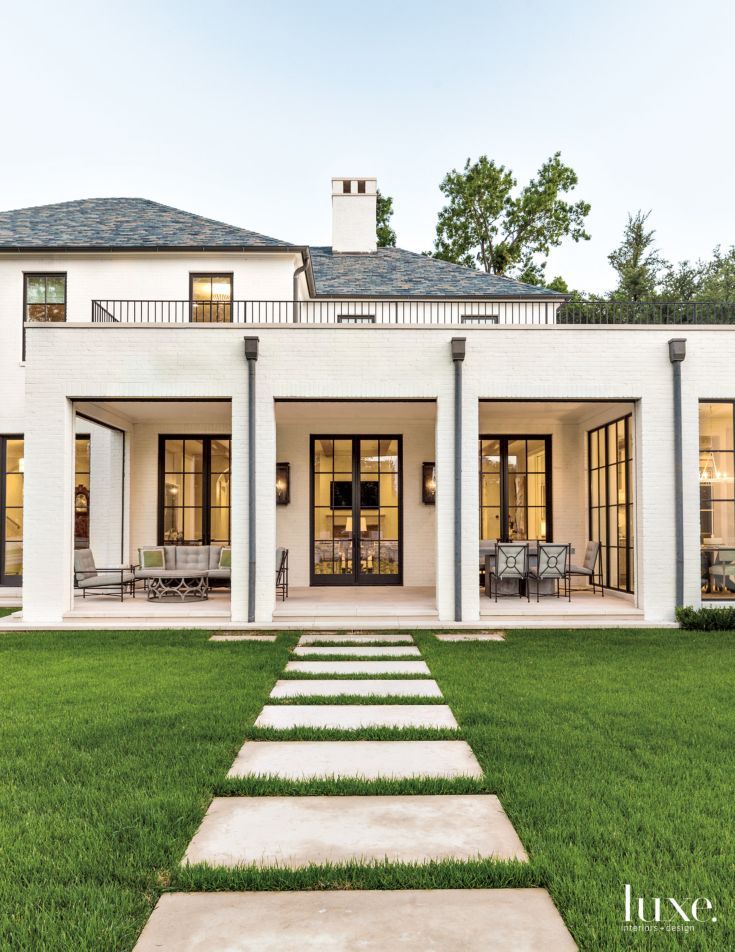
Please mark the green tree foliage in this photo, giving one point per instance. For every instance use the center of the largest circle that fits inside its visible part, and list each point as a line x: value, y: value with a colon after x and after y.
x: 384, y: 213
x: 487, y: 224
x: 637, y: 261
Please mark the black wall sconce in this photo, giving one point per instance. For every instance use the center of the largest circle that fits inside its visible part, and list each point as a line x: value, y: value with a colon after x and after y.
x: 428, y: 484
x: 283, y: 484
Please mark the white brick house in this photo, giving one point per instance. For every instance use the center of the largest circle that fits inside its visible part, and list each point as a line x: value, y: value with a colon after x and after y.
x: 124, y: 423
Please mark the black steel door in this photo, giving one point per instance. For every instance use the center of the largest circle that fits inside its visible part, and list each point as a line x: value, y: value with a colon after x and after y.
x: 356, y: 510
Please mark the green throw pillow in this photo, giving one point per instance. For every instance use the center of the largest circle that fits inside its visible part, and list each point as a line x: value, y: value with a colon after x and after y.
x: 225, y: 559
x: 152, y: 559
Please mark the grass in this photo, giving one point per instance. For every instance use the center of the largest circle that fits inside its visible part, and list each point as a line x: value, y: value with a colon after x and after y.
x: 448, y: 874
x: 8, y: 611
x: 276, y: 787
x: 109, y: 749
x: 611, y: 752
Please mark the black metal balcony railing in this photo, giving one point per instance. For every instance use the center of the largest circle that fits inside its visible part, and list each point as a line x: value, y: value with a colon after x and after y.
x: 471, y: 313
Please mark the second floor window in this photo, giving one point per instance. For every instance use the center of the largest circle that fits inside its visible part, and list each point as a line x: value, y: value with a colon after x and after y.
x: 211, y: 298
x: 45, y: 297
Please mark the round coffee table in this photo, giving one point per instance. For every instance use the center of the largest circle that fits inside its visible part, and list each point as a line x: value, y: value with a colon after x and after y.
x: 186, y: 585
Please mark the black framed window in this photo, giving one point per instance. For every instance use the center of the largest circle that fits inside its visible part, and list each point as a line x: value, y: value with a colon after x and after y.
x: 12, y: 469
x: 44, y: 298
x: 82, y: 473
x: 610, y: 456
x: 211, y: 298
x: 717, y: 498
x: 515, y: 488
x: 194, y: 490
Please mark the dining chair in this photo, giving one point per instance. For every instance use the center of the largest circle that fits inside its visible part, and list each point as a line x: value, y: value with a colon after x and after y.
x: 511, y: 563
x: 552, y: 564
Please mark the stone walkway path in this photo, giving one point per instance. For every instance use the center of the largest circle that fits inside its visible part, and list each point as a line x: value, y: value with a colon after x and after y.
x: 294, y: 832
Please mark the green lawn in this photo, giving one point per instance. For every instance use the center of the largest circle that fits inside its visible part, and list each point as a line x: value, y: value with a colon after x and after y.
x: 109, y: 748
x: 612, y: 752
x: 7, y: 611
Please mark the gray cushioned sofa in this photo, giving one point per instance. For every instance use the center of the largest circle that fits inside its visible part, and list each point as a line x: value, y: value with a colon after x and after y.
x: 181, y: 557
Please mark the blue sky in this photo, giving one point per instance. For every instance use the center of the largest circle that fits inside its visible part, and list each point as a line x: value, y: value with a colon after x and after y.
x: 243, y: 111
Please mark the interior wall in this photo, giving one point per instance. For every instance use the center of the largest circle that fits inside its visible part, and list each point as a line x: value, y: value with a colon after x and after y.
x: 419, y: 525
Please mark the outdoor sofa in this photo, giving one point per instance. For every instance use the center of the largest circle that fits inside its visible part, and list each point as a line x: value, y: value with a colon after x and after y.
x: 171, y: 561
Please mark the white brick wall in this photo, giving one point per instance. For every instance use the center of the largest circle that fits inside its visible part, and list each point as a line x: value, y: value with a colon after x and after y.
x: 629, y: 364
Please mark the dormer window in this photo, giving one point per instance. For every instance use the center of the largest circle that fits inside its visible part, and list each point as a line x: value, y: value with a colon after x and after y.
x: 211, y: 298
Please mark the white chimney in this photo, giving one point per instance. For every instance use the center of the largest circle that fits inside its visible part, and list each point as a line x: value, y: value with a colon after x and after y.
x: 354, y: 204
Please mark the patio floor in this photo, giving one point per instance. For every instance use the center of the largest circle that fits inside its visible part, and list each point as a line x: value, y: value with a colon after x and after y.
x: 379, y: 607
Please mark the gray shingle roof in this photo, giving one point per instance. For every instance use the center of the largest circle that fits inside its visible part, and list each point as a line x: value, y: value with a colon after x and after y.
x: 121, y: 223
x: 393, y: 272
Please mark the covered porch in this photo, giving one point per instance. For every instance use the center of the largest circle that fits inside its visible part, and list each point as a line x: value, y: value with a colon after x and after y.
x: 151, y: 483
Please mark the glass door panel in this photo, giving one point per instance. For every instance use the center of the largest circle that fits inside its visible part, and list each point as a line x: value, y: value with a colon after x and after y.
x: 12, y: 468
x: 356, y: 510
x: 514, y: 475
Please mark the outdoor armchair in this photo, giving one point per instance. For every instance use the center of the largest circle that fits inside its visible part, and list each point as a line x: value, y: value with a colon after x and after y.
x: 116, y: 581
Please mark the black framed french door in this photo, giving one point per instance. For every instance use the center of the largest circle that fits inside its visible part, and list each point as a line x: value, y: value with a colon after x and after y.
x: 194, y: 489
x: 610, y: 456
x: 11, y: 510
x: 356, y: 510
x: 515, y: 488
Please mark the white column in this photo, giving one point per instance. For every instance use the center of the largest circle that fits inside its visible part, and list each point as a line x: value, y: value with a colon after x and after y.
x: 470, y: 497
x: 48, y: 510
x: 239, y: 506
x: 445, y: 499
x: 265, y: 502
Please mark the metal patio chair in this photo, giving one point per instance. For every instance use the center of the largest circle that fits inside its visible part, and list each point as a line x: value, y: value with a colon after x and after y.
x: 87, y: 577
x: 590, y: 568
x: 511, y: 564
x: 552, y: 564
x: 282, y: 573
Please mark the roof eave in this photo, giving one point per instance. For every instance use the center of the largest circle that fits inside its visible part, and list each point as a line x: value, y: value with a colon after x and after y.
x: 90, y: 249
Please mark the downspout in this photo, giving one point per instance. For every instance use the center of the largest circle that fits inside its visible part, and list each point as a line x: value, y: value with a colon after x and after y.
x: 677, y: 353
x: 251, y: 355
x: 296, y: 275
x: 458, y: 354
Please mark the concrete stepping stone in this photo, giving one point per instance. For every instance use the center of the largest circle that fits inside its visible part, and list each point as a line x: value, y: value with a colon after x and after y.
x: 354, y: 716
x: 358, y: 759
x: 359, y: 667
x: 389, y: 651
x: 473, y: 920
x: 294, y: 832
x: 243, y: 638
x: 356, y: 639
x: 473, y: 636
x: 383, y: 687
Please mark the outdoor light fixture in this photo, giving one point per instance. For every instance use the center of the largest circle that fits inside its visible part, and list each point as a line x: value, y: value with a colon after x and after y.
x: 428, y: 484
x: 283, y: 484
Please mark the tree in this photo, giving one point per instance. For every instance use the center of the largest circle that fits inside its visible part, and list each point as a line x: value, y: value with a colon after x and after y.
x: 485, y: 224
x: 718, y: 280
x: 637, y: 260
x: 681, y: 282
x: 384, y: 213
